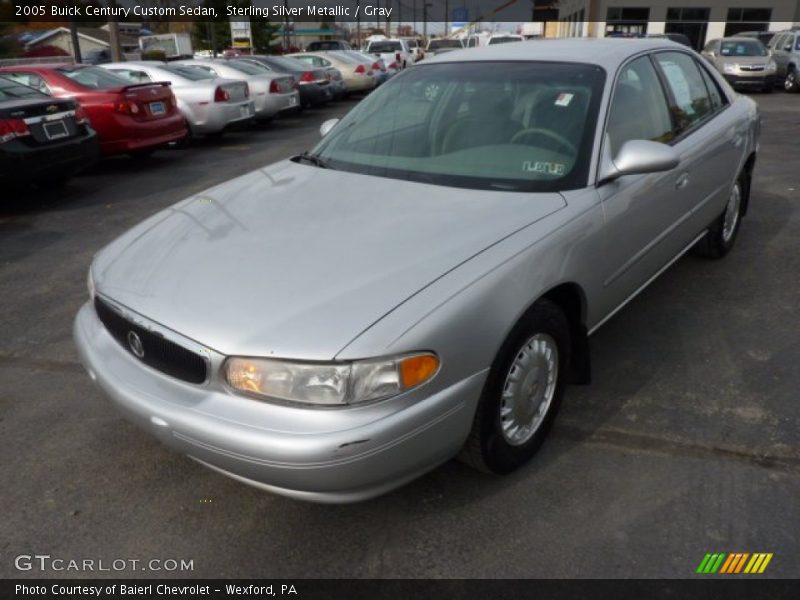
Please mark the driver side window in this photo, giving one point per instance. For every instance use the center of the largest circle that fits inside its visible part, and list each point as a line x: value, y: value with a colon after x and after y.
x: 639, y: 109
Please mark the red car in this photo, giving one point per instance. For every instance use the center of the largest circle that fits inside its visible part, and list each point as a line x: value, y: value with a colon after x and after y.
x: 129, y: 119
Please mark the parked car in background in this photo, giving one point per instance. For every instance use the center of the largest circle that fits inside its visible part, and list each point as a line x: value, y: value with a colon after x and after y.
x: 134, y: 119
x: 441, y: 45
x: 43, y: 140
x: 326, y: 45
x: 744, y: 62
x: 272, y: 93
x: 392, y: 51
x: 416, y: 49
x: 209, y: 104
x: 504, y: 38
x: 423, y: 283
x: 313, y: 83
x: 785, y: 47
x: 762, y: 36
x: 678, y: 38
x: 357, y: 76
x: 97, y: 56
x: 378, y: 66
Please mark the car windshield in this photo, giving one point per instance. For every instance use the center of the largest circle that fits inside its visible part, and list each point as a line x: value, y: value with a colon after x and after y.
x: 191, y: 73
x: 248, y: 68
x: 380, y: 47
x: 517, y: 126
x: 94, y: 78
x: 743, y: 48
x: 503, y: 40
x: 10, y: 90
x: 439, y: 44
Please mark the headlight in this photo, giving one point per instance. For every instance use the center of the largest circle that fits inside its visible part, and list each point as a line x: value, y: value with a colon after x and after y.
x: 730, y: 68
x: 772, y: 66
x: 330, y: 384
x: 90, y: 284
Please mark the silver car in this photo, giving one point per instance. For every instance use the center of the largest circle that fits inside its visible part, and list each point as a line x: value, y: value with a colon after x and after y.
x: 271, y: 92
x: 208, y: 103
x: 424, y: 282
x: 744, y: 62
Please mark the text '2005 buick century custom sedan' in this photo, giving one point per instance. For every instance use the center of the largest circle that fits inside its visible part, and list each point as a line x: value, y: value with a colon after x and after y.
x: 423, y: 283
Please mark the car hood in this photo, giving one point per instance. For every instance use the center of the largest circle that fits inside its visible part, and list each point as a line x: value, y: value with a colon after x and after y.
x: 296, y: 261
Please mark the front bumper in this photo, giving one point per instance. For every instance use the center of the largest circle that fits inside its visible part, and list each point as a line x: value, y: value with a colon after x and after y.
x: 756, y: 80
x: 320, y: 455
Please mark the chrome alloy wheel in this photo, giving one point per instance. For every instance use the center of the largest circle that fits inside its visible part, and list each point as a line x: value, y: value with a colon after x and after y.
x: 732, y: 213
x: 529, y: 389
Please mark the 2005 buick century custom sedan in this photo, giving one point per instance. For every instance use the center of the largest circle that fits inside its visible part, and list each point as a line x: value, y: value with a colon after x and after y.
x: 422, y: 284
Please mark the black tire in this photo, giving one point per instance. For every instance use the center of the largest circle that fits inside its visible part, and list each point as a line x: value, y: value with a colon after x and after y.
x: 215, y: 136
x: 792, y: 82
x: 52, y: 182
x: 487, y: 448
x: 719, y: 240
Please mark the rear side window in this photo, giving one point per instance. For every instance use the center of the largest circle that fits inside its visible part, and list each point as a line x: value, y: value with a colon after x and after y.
x: 639, y: 109
x: 718, y: 99
x: 692, y: 103
x: 11, y: 91
x: 30, y: 80
x: 94, y: 78
x: 132, y: 75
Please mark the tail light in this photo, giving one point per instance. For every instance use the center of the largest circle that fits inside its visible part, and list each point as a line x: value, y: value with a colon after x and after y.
x: 81, y: 116
x: 127, y: 108
x: 376, y: 66
x: 221, y: 95
x: 361, y: 69
x: 275, y: 87
x: 394, y: 66
x: 12, y: 128
x: 307, y: 77
x: 397, y: 56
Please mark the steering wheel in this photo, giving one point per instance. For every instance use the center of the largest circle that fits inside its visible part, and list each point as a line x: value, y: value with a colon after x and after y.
x: 547, y: 133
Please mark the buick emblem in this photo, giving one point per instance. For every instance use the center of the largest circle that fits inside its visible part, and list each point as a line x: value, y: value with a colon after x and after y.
x: 52, y: 108
x: 135, y: 343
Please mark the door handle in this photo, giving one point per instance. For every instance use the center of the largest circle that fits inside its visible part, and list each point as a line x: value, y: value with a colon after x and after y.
x: 682, y: 181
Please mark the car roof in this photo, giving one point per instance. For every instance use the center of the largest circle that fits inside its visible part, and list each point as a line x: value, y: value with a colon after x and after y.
x: 605, y: 52
x: 738, y: 38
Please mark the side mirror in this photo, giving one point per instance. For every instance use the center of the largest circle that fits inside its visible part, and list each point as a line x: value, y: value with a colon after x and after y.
x: 638, y: 157
x: 326, y: 126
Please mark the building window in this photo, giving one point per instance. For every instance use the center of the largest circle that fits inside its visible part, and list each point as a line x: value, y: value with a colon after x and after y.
x: 626, y: 21
x: 691, y: 22
x: 747, y: 19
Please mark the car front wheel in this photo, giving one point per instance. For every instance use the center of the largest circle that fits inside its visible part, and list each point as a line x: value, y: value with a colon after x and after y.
x: 522, y: 392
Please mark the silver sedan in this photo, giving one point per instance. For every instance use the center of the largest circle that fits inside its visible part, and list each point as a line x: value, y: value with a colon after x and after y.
x: 208, y: 103
x: 272, y: 93
x: 423, y: 284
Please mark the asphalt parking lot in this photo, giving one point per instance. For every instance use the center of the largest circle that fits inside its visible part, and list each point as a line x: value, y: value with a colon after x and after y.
x: 687, y: 441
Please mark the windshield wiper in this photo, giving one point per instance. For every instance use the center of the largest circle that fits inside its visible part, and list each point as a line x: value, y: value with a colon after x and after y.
x: 312, y: 159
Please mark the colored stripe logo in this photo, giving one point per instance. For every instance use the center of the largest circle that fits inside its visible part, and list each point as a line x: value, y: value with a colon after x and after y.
x: 735, y: 563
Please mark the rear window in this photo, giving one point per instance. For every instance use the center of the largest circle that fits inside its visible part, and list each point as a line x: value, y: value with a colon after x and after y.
x: 93, y: 78
x: 287, y: 64
x: 503, y: 40
x: 381, y: 47
x: 438, y: 44
x: 10, y: 90
x: 191, y: 73
x: 247, y: 67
